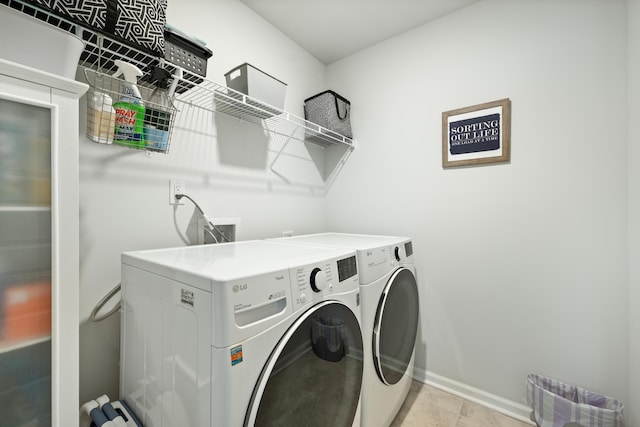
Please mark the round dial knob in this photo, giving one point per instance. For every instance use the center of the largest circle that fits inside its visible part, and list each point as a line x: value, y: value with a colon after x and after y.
x: 318, y: 280
x: 398, y: 253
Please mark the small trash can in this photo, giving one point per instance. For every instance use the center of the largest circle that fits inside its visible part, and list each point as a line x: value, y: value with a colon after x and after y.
x: 327, y: 338
x: 556, y: 404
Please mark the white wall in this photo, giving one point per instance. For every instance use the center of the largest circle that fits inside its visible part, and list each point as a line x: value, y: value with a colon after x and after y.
x: 522, y: 266
x: 125, y: 195
x: 633, y: 409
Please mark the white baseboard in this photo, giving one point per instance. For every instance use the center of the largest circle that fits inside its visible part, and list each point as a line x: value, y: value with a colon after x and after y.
x: 504, y: 406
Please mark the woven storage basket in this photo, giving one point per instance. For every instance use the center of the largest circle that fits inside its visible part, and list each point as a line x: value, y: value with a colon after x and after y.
x: 329, y: 110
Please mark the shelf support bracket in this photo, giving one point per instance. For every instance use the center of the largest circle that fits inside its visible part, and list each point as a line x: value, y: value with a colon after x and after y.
x: 286, y: 143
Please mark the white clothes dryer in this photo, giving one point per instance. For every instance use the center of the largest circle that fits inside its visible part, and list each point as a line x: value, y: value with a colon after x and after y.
x: 241, y: 334
x: 390, y: 316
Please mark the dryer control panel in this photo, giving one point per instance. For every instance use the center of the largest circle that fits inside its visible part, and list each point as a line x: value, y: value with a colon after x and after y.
x: 313, y: 282
x: 379, y: 261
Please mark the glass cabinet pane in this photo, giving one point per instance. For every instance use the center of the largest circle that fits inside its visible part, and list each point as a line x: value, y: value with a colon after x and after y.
x: 25, y: 264
x: 25, y: 154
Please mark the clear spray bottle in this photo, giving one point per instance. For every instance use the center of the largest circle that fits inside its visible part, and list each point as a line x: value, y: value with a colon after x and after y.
x: 157, y: 123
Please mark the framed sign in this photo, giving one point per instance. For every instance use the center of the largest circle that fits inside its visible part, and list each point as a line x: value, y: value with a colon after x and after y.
x: 477, y: 135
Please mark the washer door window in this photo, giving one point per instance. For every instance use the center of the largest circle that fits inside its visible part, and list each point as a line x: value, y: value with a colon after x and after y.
x: 313, y: 376
x: 396, y: 326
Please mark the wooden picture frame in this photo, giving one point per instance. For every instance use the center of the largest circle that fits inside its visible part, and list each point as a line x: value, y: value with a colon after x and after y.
x: 478, y: 134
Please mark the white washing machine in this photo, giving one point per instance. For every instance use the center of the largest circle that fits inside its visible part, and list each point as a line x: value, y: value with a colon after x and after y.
x: 241, y: 334
x: 390, y: 316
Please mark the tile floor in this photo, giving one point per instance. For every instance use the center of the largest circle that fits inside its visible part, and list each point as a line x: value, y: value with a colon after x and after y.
x: 429, y: 407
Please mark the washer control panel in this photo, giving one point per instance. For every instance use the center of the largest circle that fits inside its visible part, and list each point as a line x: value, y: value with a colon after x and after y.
x: 312, y: 282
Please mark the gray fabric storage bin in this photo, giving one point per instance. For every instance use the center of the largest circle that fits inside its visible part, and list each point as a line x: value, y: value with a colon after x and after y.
x: 257, y: 84
x: 556, y: 404
x: 331, y: 111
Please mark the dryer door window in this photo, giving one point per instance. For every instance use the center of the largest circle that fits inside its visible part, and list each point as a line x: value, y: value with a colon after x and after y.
x: 313, y: 376
x: 396, y: 326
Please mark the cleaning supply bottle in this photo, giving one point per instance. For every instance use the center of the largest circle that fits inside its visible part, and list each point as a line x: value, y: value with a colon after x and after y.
x: 157, y: 122
x: 129, y: 108
x: 101, y: 121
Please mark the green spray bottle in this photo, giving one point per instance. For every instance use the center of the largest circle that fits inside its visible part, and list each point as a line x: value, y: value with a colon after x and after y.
x: 129, y: 108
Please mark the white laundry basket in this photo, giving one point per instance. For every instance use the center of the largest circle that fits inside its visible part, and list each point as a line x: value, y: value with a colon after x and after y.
x: 556, y: 404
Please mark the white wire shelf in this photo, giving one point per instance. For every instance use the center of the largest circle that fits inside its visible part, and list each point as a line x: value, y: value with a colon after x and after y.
x: 193, y: 90
x: 216, y: 98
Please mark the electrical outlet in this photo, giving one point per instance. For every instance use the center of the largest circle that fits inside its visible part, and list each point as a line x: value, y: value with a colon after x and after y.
x: 176, y: 187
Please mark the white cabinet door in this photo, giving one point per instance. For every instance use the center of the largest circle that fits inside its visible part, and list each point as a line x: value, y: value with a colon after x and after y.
x: 38, y: 247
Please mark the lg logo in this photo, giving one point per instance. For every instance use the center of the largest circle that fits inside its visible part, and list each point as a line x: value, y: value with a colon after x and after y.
x: 238, y: 288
